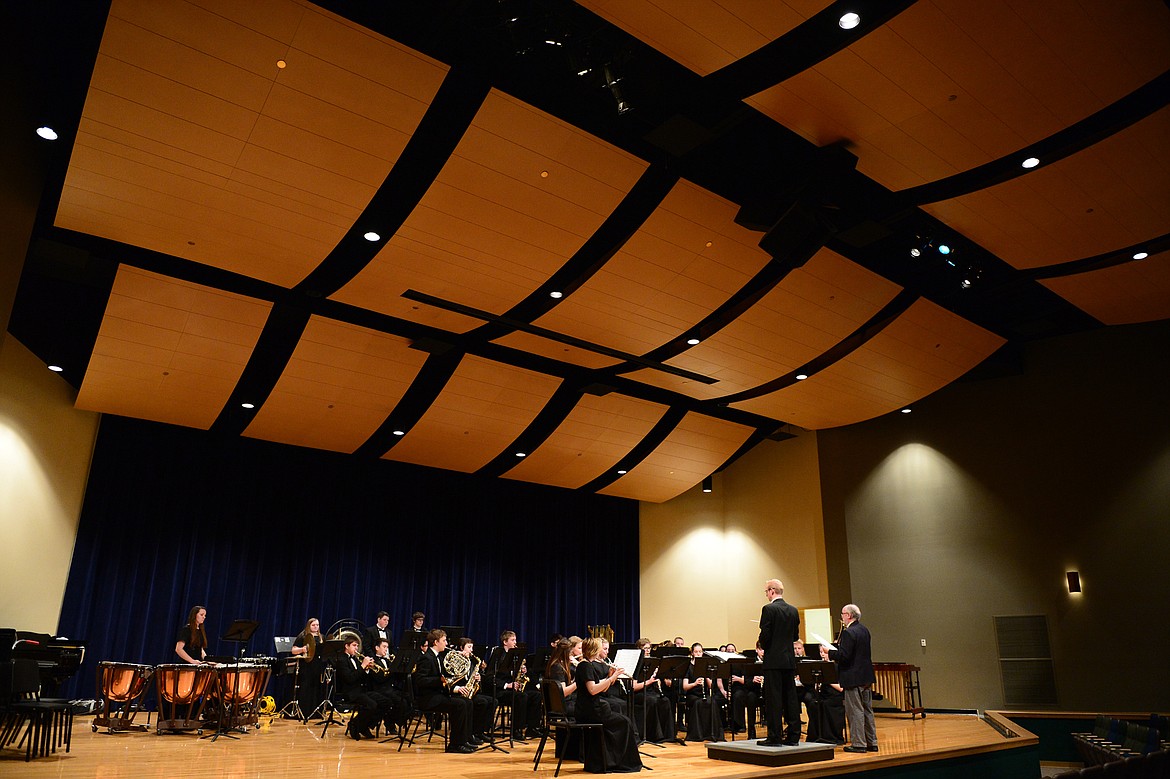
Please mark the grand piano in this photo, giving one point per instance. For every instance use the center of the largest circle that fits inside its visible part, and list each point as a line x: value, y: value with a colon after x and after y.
x: 58, y: 658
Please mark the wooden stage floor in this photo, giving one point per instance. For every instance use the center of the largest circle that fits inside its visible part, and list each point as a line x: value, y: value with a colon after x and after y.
x: 288, y: 748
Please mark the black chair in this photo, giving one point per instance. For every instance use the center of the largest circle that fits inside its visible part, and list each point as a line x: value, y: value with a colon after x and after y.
x: 49, y: 722
x: 557, y: 719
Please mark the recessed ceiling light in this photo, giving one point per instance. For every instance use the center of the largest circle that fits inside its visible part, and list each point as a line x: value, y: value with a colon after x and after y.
x: 710, y: 244
x: 372, y: 236
x: 521, y: 454
x: 849, y: 21
x: 801, y: 376
x: 915, y: 252
x: 56, y: 368
x: 621, y: 473
x: 906, y: 410
x: 965, y: 283
x: 399, y: 432
x: 544, y: 174
x: 556, y: 294
x: 248, y: 405
x: 944, y: 249
x: 281, y: 64
x: 1031, y: 162
x: 48, y: 133
x: 1141, y: 255
x: 693, y: 341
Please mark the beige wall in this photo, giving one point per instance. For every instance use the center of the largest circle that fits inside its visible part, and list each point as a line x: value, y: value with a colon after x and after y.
x: 704, y: 557
x: 45, y: 449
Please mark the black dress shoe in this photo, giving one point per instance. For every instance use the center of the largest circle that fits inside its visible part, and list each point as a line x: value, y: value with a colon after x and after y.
x: 533, y: 733
x: 477, y: 740
x: 353, y: 734
x: 852, y: 748
x: 792, y: 743
x: 871, y: 749
x: 770, y: 742
x: 462, y: 749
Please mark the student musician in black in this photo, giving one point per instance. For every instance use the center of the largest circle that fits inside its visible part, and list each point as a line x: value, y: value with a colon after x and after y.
x: 308, y: 646
x: 351, y: 675
x: 704, y: 702
x: 653, y: 711
x: 433, y: 695
x: 620, y: 744
x: 191, y: 643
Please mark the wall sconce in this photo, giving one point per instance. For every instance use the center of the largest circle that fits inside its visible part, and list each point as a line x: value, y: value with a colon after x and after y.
x: 1074, y: 581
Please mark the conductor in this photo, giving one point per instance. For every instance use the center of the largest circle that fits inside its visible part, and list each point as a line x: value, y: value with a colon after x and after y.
x: 779, y: 630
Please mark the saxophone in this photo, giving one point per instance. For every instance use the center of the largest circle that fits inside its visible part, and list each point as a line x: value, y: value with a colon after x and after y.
x: 522, y: 676
x: 460, y: 671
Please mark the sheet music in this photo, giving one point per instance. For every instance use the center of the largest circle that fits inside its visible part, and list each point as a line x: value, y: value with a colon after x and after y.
x: 627, y: 660
x: 821, y: 640
x: 725, y: 656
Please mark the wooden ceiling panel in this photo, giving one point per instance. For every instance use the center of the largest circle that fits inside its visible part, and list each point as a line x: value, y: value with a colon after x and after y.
x: 704, y: 36
x: 810, y: 311
x: 481, y: 410
x: 695, y: 448
x: 169, y: 350
x: 596, y: 434
x: 924, y: 349
x: 665, y: 279
x: 1124, y: 294
x: 1113, y: 194
x: 491, y: 228
x: 339, y: 386
x: 946, y: 85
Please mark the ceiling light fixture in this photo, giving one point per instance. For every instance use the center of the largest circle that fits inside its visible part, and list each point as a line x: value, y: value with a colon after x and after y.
x: 622, y: 473
x: 944, y: 249
x: 48, y: 133
x: 907, y: 410
x: 1141, y: 255
x: 521, y: 454
x: 556, y: 294
x: 915, y: 252
x: 693, y: 341
x: 965, y: 283
x: 611, y: 83
x: 399, y: 432
x: 707, y: 486
x: 281, y: 64
x: 1031, y: 162
x: 801, y: 376
x: 849, y: 21
x: 371, y: 236
x: 56, y: 368
x: 247, y: 405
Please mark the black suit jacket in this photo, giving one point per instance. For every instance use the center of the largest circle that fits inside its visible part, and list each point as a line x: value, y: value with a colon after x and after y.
x: 779, y: 629
x: 854, y: 666
x: 349, y: 677
x: 371, y: 635
x: 428, y: 680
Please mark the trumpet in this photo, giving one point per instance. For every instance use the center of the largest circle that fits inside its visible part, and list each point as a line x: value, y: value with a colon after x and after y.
x: 375, y: 667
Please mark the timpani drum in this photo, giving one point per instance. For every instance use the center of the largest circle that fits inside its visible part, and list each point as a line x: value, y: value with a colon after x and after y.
x: 239, y: 688
x: 182, y: 691
x: 120, y: 689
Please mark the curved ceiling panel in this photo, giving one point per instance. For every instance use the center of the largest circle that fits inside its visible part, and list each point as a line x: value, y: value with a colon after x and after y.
x: 813, y: 308
x: 948, y: 85
x: 597, y: 433
x: 688, y: 258
x: 704, y: 36
x: 480, y: 411
x: 519, y: 196
x: 339, y: 386
x: 169, y: 350
x: 1113, y: 194
x: 194, y: 143
x: 925, y: 348
x: 1122, y: 294
x: 692, y: 451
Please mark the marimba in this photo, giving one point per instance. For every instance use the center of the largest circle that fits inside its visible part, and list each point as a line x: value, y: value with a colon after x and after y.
x: 898, y: 684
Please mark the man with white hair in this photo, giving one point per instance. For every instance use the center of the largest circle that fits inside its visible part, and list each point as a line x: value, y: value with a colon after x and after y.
x: 855, y: 673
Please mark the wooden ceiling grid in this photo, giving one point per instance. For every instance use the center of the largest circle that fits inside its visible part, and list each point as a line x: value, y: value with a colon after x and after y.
x: 692, y: 451
x: 593, y: 437
x: 946, y: 86
x: 169, y: 350
x: 481, y: 410
x: 339, y: 386
x: 491, y: 229
x: 812, y: 309
x: 1113, y: 194
x: 665, y: 279
x: 922, y: 350
x: 1133, y: 292
x: 704, y: 36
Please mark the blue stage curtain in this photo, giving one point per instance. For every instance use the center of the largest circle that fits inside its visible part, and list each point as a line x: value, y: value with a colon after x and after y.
x: 255, y: 530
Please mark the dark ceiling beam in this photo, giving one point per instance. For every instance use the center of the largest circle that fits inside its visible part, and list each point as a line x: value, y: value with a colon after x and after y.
x: 631, y: 213
x: 430, y: 146
x: 1113, y: 118
x: 544, y: 424
x: 652, y: 440
x: 1100, y: 261
x: 858, y: 338
x: 418, y: 398
x: 813, y: 41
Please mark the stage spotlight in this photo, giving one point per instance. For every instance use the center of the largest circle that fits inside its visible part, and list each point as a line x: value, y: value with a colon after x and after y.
x: 623, y: 105
x: 707, y: 485
x: 944, y: 249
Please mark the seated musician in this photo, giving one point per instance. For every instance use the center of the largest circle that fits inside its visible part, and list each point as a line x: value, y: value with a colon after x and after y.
x: 617, y: 693
x: 502, y: 683
x: 653, y: 711
x: 432, y: 695
x: 704, y: 702
x: 191, y: 643
x: 379, y: 630
x: 825, y: 704
x: 392, y: 703
x: 747, y: 693
x: 483, y: 706
x: 351, y: 675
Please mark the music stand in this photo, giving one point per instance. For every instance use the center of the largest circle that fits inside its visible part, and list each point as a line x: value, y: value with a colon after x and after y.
x: 740, y: 666
x: 454, y: 633
x: 643, y: 671
x: 412, y: 639
x: 403, y: 664
x: 509, y: 666
x: 240, y: 632
x: 329, y: 652
x: 673, y: 664
x: 814, y: 674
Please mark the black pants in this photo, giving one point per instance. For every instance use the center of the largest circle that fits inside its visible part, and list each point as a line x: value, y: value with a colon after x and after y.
x: 782, y: 705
